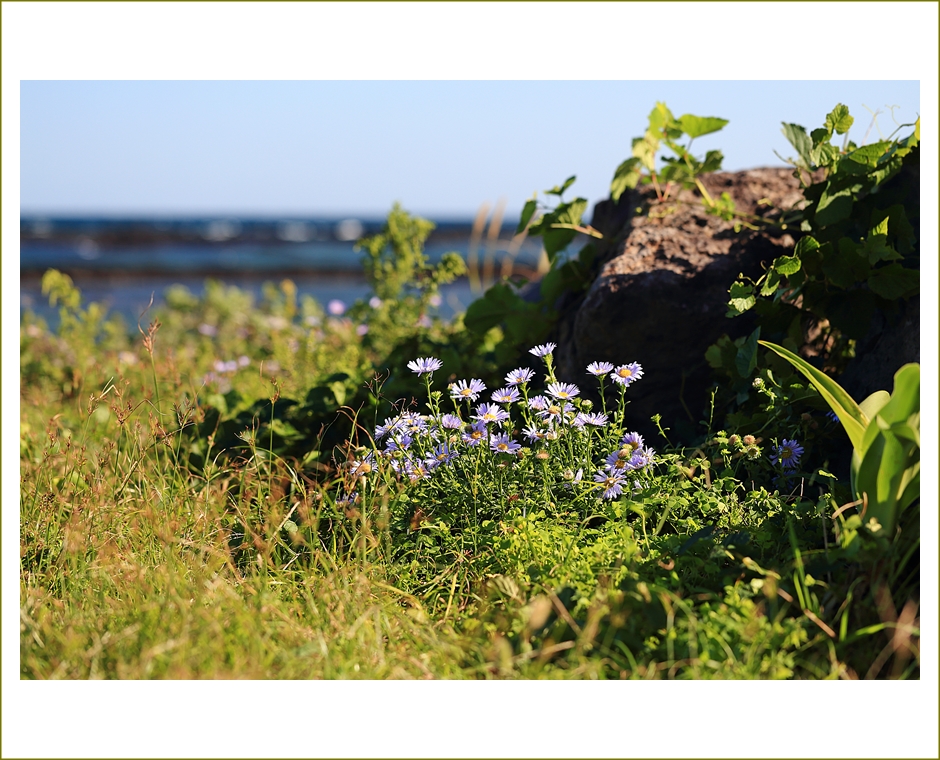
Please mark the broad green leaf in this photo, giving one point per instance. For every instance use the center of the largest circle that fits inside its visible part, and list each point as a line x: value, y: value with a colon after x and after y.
x: 771, y: 283
x: 742, y: 297
x: 626, y: 177
x: 894, y: 281
x: 527, y: 211
x: 554, y: 239
x: 805, y: 245
x: 559, y: 190
x: 876, y: 248
x: 746, y: 359
x: 834, y: 207
x: 712, y: 162
x: 910, y: 487
x: 787, y: 265
x: 660, y: 117
x: 845, y: 266
x: 820, y: 136
x: 696, y: 126
x: 800, y: 141
x: 879, y: 477
x: 824, y: 154
x: 496, y: 304
x: 853, y: 420
x: 899, y: 227
x: 905, y: 400
x: 873, y: 403
x: 644, y: 149
x: 839, y: 120
x: 869, y: 155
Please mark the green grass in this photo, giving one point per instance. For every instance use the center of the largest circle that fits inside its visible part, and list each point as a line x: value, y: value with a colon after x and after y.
x: 181, y: 520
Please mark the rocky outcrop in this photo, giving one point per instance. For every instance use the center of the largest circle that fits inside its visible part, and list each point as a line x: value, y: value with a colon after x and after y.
x: 661, y: 294
x: 891, y: 343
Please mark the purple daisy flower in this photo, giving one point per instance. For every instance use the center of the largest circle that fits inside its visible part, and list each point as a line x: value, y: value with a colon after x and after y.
x: 611, y: 481
x: 543, y: 350
x: 562, y: 391
x: 442, y: 454
x: 390, y: 424
x: 534, y: 433
x: 413, y: 423
x: 598, y: 419
x: 424, y: 366
x: 361, y: 467
x: 476, y: 434
x: 416, y: 470
x: 519, y: 376
x: 634, y: 440
x: 451, y: 422
x: 506, y: 395
x: 503, y: 444
x: 626, y: 374
x: 539, y: 403
x: 556, y: 412
x: 398, y: 443
x: 788, y: 454
x: 463, y: 389
x: 599, y: 369
x: 490, y: 413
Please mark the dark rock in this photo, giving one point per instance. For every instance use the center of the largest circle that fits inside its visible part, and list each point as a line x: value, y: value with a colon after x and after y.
x: 889, y: 346
x: 661, y: 294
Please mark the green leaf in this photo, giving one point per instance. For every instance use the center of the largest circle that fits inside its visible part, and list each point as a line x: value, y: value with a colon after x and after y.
x: 746, y: 359
x: 846, y: 265
x: 712, y: 162
x: 696, y: 126
x: 527, y: 211
x: 894, y: 281
x: 864, y: 159
x: 644, y: 149
x: 910, y: 487
x: 834, y: 206
x: 742, y: 297
x: 850, y: 415
x: 873, y: 403
x: 556, y: 240
x: 879, y: 477
x: 805, y: 245
x: 839, y: 120
x: 824, y: 154
x: 820, y: 135
x: 876, y: 246
x: 800, y: 141
x: 559, y: 190
x: 499, y: 302
x: 660, y: 117
x: 771, y: 283
x: 905, y: 400
x: 787, y: 265
x: 627, y: 176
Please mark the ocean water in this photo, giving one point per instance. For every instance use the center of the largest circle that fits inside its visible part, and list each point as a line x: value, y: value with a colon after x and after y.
x: 122, y: 262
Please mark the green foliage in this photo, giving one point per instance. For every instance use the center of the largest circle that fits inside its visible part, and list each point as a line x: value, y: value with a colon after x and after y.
x: 885, y: 434
x: 681, y: 169
x: 858, y: 255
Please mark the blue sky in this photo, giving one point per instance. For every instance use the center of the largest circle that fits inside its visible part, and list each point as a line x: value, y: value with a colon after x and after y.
x: 441, y: 148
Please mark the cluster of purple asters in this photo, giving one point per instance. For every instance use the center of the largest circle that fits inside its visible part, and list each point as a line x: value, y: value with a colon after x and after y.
x: 631, y: 456
x: 415, y: 445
